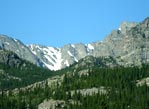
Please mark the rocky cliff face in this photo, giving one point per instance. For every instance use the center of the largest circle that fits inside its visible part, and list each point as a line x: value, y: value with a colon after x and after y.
x: 129, y: 45
x: 57, y: 58
x: 10, y: 58
x: 19, y: 48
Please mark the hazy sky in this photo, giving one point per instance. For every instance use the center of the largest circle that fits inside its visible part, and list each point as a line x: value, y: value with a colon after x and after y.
x: 59, y: 22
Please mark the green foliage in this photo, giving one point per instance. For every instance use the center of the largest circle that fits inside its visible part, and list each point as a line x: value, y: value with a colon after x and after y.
x: 121, y: 82
x: 17, y: 77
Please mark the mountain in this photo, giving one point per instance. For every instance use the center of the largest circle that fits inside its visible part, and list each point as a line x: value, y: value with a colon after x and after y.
x: 57, y: 58
x: 10, y: 58
x: 19, y: 48
x: 50, y: 57
x: 128, y: 45
x: 16, y: 72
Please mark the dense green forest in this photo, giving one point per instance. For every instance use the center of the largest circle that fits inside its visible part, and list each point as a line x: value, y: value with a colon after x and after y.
x: 120, y: 83
x: 12, y: 77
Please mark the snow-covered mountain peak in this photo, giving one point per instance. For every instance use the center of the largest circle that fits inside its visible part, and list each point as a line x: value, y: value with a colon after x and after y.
x: 50, y: 56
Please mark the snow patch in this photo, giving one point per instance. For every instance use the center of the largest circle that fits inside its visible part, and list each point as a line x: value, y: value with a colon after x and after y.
x: 31, y: 46
x: 52, y: 55
x: 90, y: 47
x: 7, y: 43
x: 34, y: 52
x: 69, y: 53
x: 76, y: 59
x: 55, y: 54
x: 73, y: 45
x: 49, y: 59
x: 119, y: 29
x: 15, y: 40
x: 32, y: 49
x: 48, y: 66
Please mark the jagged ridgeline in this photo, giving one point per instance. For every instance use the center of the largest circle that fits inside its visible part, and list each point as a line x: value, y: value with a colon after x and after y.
x: 128, y: 45
x: 16, y: 72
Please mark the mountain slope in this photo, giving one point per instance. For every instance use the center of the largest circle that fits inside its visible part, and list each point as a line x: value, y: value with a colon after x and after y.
x: 57, y: 58
x: 19, y: 48
x: 85, y: 85
x: 49, y: 56
x: 128, y: 45
x: 16, y: 73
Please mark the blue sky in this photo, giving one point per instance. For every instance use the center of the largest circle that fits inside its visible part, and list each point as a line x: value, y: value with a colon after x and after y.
x: 59, y: 22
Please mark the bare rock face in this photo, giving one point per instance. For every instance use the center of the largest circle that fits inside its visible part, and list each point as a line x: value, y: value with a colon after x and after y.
x: 126, y: 26
x: 128, y: 45
x: 90, y: 91
x: 52, y: 104
x: 144, y: 81
x: 10, y: 58
x: 19, y: 48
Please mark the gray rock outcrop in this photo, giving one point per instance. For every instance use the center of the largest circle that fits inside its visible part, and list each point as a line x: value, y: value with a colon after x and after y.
x: 52, y: 104
x: 19, y: 48
x: 10, y: 58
